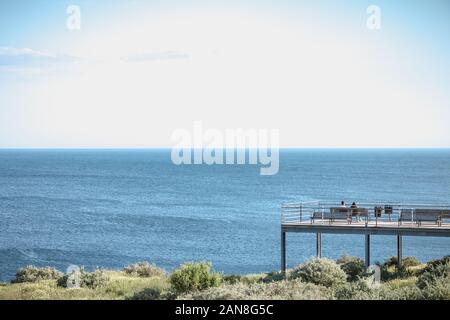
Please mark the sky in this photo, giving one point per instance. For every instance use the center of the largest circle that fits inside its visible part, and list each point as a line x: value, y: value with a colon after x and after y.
x: 136, y: 71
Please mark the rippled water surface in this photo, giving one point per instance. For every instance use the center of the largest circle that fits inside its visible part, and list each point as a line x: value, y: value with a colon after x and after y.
x: 109, y: 208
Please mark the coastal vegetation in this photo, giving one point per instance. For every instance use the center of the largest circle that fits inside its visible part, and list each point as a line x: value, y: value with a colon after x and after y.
x: 344, y: 279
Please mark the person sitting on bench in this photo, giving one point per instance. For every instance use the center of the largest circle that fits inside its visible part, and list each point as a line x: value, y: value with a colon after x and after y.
x: 355, y: 212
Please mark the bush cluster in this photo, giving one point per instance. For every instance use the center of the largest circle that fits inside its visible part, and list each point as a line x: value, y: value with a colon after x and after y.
x: 407, y: 262
x: 436, y: 271
x: 92, y: 280
x: 285, y: 289
x: 324, y: 272
x: 148, y: 294
x: 356, y: 290
x: 232, y: 279
x: 35, y: 274
x: 314, y: 279
x: 354, y: 267
x: 193, y: 277
x: 390, y: 271
x: 144, y: 269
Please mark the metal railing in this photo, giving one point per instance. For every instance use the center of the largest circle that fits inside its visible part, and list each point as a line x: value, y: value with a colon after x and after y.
x: 374, y: 212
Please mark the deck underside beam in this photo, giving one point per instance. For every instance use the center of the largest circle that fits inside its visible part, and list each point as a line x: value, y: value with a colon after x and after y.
x: 372, y: 230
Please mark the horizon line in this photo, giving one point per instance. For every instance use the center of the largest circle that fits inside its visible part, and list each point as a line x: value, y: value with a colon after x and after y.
x: 224, y: 148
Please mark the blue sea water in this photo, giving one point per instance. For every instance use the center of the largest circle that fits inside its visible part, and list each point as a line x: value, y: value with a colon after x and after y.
x: 110, y: 208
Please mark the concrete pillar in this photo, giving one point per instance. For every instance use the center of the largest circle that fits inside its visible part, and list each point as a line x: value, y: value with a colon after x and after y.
x: 283, y: 251
x: 367, y: 260
x: 318, y: 245
x: 399, y: 251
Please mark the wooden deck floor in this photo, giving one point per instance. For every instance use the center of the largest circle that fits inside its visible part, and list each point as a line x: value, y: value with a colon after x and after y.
x: 372, y: 227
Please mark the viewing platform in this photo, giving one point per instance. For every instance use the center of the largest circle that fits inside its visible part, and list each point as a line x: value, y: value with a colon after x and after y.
x: 380, y: 218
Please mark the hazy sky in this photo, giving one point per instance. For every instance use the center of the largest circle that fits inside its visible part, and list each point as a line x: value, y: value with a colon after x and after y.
x: 138, y: 70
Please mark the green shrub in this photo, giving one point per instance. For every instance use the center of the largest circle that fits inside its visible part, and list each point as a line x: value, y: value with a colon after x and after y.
x: 144, y: 270
x: 354, y: 267
x: 94, y: 279
x: 148, y: 294
x: 409, y: 262
x: 274, y: 276
x: 389, y: 272
x: 91, y: 280
x: 194, y: 276
x: 232, y: 279
x: 253, y: 278
x: 35, y: 274
x: 356, y: 290
x: 390, y: 262
x: 278, y: 290
x: 434, y: 265
x: 438, y: 289
x: 246, y: 279
x: 411, y: 292
x: 324, y: 272
x: 437, y: 262
x: 433, y: 271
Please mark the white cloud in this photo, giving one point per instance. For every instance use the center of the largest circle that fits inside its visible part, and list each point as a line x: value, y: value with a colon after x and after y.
x: 157, y: 56
x: 27, y: 57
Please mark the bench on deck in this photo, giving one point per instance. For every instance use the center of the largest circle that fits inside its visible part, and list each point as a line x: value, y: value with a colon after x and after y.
x: 445, y: 215
x: 341, y: 214
x: 428, y: 215
x: 360, y: 213
x: 317, y: 215
x: 421, y: 216
x: 406, y: 215
x: 333, y: 215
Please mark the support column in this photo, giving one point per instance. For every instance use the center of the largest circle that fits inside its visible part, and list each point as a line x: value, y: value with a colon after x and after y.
x: 399, y: 251
x: 283, y: 251
x: 367, y: 260
x: 319, y: 245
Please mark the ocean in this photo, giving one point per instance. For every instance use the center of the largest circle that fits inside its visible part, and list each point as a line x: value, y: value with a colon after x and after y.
x: 110, y: 208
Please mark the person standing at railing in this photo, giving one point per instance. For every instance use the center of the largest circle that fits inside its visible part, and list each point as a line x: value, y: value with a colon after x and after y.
x: 343, y: 205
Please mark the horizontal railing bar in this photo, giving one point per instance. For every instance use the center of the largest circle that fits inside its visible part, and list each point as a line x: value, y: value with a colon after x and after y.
x: 370, y: 204
x: 398, y: 212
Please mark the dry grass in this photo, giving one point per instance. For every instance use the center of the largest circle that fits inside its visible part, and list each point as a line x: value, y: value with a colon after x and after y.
x: 119, y: 286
